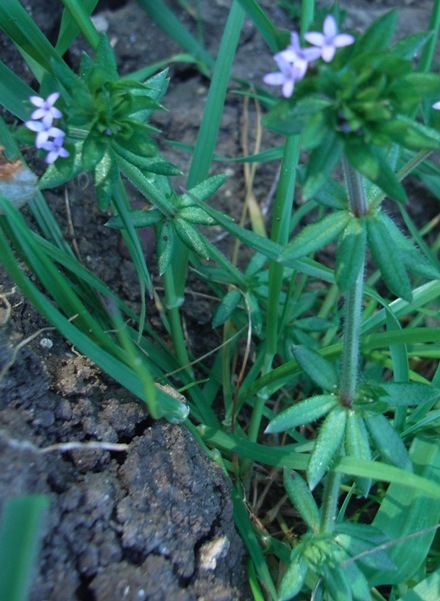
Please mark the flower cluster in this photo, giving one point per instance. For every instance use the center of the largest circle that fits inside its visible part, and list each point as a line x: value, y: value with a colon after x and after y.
x: 294, y: 60
x: 48, y: 138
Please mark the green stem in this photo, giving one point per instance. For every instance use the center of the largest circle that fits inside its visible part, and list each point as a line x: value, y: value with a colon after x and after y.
x: 173, y: 303
x: 280, y: 235
x: 353, y: 298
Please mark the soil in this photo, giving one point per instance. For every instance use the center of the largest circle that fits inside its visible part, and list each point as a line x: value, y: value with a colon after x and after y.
x: 152, y: 519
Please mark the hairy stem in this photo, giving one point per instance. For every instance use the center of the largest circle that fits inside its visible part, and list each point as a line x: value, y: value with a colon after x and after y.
x: 353, y: 298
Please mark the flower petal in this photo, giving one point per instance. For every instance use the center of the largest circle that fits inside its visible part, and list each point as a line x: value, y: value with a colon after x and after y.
x: 328, y: 52
x: 343, y: 39
x: 315, y: 38
x: 52, y: 98
x: 288, y: 87
x: 274, y: 79
x: 36, y: 100
x: 330, y: 28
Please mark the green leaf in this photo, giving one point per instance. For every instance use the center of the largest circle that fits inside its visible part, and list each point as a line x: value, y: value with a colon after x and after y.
x: 409, y: 46
x: 388, y: 259
x: 204, y: 190
x: 370, y: 161
x: 405, y: 512
x: 93, y: 150
x: 139, y: 218
x: 191, y: 237
x: 165, y: 246
x: 22, y: 523
x: 302, y: 499
x: 304, y: 412
x: 295, y: 575
x: 388, y: 442
x: 330, y: 436
x: 336, y: 583
x: 357, y: 445
x: 321, y: 371
x: 378, y: 35
x: 315, y: 235
x: 321, y: 163
x: 195, y: 215
x: 405, y: 394
x: 226, y: 307
x: 105, y: 175
x: 350, y: 254
x: 414, y: 260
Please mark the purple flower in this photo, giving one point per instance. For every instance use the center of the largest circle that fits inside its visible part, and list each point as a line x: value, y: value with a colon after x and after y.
x: 329, y: 40
x: 436, y: 105
x: 55, y: 149
x: 299, y: 57
x: 46, y: 111
x: 43, y: 132
x: 293, y: 63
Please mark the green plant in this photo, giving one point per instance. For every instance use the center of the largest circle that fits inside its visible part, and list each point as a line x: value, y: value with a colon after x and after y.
x: 351, y: 99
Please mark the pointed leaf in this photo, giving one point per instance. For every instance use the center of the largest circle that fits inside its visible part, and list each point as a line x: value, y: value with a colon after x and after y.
x: 321, y: 371
x: 304, y: 412
x: 204, y: 190
x: 369, y: 161
x: 388, y: 442
x: 357, y: 445
x: 302, y: 499
x: 387, y: 258
x: 191, y: 237
x: 322, y: 161
x: 330, y: 436
x: 378, y: 35
x: 226, y: 307
x: 196, y: 215
x: 165, y: 246
x: 350, y: 254
x: 106, y: 175
x: 138, y: 218
x: 294, y: 577
x: 405, y: 394
x: 315, y: 236
x: 415, y: 261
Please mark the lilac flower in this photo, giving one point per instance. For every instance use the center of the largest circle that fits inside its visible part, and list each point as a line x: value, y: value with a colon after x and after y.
x: 436, y: 105
x: 43, y: 132
x: 299, y: 57
x: 329, y: 40
x: 46, y: 111
x: 293, y: 63
x: 55, y: 148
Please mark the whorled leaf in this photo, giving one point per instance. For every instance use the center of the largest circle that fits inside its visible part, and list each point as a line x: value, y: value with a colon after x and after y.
x: 388, y: 442
x: 357, y: 445
x: 315, y: 236
x: 322, y: 372
x: 304, y: 412
x: 330, y: 436
x: 302, y: 499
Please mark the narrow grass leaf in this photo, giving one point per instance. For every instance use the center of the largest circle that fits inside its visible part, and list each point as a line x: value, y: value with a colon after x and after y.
x: 406, y: 512
x: 330, y: 436
x: 21, y: 528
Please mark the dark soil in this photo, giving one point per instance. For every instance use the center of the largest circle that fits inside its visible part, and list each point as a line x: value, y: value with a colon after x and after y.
x: 152, y: 520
